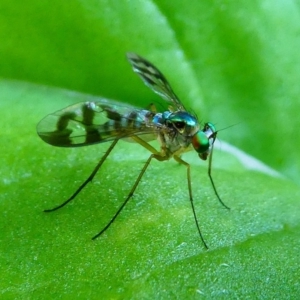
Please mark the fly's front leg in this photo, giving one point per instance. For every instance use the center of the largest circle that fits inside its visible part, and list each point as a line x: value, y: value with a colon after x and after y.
x: 90, y: 178
x: 212, y: 182
x: 178, y: 159
x: 156, y: 156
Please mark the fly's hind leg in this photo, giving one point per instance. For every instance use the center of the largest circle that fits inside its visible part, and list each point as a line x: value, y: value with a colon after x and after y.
x: 90, y: 178
x: 156, y: 156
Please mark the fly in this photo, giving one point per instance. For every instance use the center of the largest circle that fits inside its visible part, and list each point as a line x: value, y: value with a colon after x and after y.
x: 176, y: 130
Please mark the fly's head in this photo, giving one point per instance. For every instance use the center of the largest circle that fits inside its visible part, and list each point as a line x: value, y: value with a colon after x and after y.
x: 204, y: 139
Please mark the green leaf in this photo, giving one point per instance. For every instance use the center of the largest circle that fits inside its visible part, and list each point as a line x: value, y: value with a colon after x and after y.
x: 232, y: 63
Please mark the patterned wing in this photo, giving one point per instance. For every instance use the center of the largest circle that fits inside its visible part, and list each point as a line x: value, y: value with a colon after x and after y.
x: 154, y: 79
x: 89, y: 123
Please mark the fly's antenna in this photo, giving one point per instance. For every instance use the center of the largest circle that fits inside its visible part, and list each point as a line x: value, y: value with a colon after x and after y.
x: 228, y: 127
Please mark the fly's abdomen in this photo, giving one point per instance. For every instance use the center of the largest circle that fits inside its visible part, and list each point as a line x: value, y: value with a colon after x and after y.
x: 94, y: 122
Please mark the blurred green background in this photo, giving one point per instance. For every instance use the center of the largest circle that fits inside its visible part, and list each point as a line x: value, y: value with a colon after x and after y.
x: 232, y: 62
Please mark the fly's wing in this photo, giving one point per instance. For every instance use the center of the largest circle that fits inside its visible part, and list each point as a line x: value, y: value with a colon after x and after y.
x: 89, y: 123
x: 154, y: 79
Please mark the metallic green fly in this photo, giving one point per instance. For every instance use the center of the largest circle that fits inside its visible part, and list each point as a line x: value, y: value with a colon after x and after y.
x: 176, y: 130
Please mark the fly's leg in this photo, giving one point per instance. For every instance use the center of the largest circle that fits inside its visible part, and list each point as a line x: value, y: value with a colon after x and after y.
x: 212, y: 182
x: 90, y: 178
x: 178, y: 159
x: 156, y: 156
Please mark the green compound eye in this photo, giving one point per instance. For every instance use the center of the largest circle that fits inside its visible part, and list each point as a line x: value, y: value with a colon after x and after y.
x: 200, y: 142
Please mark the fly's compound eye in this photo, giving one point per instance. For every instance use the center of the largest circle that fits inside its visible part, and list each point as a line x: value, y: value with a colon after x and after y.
x: 204, y: 139
x: 200, y: 142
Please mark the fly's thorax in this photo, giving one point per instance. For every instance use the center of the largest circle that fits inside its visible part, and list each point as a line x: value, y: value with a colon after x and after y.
x: 178, y: 128
x: 203, y: 140
x: 183, y: 123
